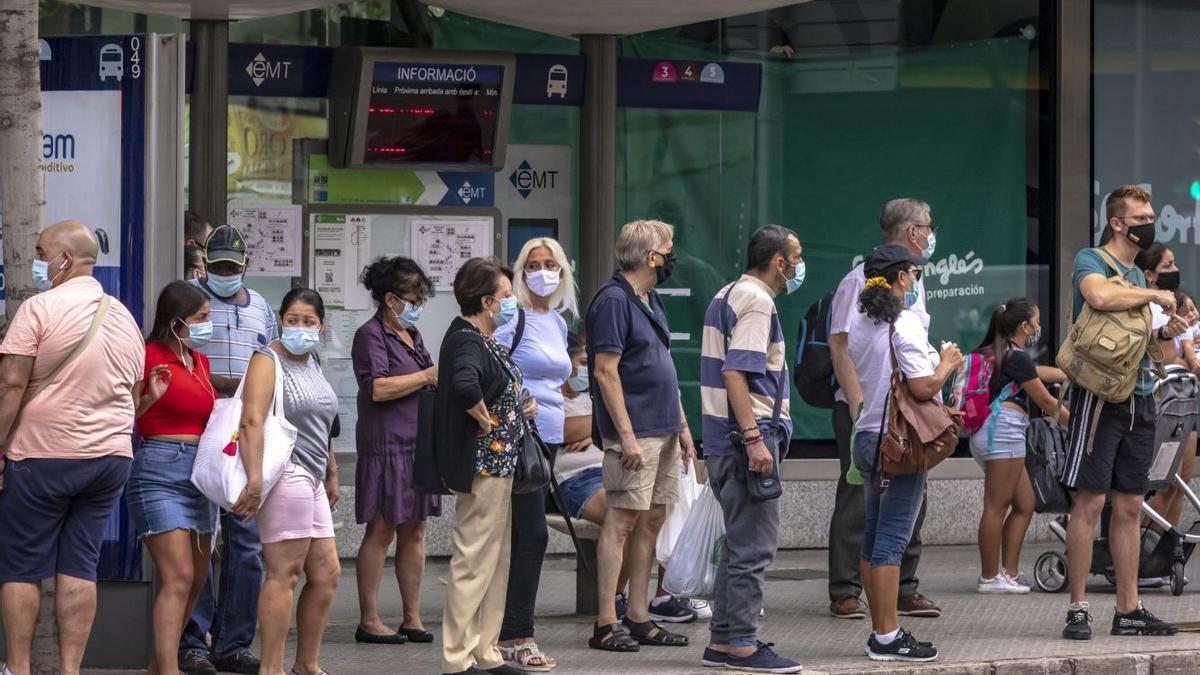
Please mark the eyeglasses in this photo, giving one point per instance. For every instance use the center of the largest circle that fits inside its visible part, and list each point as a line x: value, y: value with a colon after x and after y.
x: 415, y: 303
x: 916, y: 272
x: 932, y: 228
x: 1140, y: 220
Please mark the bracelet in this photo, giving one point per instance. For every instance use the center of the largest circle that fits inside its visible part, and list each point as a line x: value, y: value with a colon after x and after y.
x: 749, y: 429
x: 331, y: 470
x: 752, y: 439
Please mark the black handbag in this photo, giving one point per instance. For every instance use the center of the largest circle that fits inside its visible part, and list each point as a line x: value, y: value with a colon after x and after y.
x: 534, y: 463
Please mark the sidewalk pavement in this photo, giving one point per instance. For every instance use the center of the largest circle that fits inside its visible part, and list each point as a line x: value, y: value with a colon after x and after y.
x: 977, y: 634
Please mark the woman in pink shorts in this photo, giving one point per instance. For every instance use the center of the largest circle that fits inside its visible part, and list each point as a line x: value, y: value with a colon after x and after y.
x: 294, y: 521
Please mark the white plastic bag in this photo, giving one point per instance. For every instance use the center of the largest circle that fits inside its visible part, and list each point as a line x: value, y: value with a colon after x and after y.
x: 218, y: 472
x: 677, y: 514
x: 692, y: 569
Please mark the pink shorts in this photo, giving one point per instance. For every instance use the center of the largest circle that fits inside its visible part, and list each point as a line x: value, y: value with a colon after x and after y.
x: 296, y: 508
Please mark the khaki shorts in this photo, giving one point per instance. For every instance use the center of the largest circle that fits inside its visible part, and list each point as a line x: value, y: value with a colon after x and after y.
x: 657, y: 482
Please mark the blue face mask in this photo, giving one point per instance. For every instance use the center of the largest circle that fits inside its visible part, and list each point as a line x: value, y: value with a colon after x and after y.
x: 410, y: 316
x: 797, y: 280
x: 910, y: 299
x: 199, y: 334
x: 224, y: 287
x: 931, y: 246
x: 508, y: 310
x: 580, y: 382
x: 300, y: 341
x: 41, y: 274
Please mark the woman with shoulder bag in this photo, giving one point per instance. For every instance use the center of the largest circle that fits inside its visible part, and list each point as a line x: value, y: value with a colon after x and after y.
x: 173, y: 518
x: 892, y: 501
x: 478, y: 431
x: 545, y: 288
x: 295, y: 521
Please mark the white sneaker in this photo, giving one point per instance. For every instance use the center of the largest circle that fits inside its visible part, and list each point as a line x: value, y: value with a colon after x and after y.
x: 699, y: 606
x: 1000, y: 584
x: 1020, y: 579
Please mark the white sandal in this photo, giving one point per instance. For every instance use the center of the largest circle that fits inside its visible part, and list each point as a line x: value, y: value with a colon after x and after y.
x: 521, y: 655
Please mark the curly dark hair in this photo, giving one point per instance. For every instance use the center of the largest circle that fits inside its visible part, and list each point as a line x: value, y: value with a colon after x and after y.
x: 878, y: 303
x: 395, y: 275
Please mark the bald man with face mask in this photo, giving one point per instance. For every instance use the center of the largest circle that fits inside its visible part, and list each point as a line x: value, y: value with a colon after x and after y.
x: 69, y: 365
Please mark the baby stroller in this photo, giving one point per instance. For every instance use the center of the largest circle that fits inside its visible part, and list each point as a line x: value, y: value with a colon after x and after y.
x: 1163, y: 555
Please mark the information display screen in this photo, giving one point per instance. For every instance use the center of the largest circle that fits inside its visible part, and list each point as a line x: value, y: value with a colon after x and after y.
x: 431, y: 113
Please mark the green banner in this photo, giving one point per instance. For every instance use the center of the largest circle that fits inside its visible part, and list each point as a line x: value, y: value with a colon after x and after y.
x: 834, y: 139
x: 327, y: 185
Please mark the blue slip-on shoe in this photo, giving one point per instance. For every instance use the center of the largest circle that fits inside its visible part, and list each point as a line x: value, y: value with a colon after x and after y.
x: 763, y: 660
x: 713, y: 658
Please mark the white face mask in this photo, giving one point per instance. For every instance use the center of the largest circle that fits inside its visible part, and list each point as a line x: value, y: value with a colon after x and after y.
x: 542, y: 283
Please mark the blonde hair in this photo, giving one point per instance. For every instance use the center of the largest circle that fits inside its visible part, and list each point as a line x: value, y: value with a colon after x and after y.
x: 563, y: 299
x: 638, y: 239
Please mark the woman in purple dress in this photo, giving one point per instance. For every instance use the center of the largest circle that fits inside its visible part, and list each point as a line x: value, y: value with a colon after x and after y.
x: 391, y: 365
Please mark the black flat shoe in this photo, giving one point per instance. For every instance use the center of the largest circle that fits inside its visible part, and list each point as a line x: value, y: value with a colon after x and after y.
x: 415, y: 635
x: 363, y: 637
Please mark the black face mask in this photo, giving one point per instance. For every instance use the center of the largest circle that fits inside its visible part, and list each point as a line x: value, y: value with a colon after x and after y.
x: 1141, y: 235
x: 1167, y: 281
x: 663, y: 273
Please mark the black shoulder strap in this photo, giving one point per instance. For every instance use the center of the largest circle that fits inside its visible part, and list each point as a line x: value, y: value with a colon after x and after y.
x: 778, y: 411
x: 520, y: 330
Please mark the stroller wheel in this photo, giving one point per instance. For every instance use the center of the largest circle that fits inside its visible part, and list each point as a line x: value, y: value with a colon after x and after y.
x: 1050, y: 572
x: 1177, y: 578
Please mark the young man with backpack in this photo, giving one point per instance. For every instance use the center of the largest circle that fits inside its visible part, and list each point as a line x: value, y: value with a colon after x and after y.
x: 905, y: 222
x: 1112, y: 425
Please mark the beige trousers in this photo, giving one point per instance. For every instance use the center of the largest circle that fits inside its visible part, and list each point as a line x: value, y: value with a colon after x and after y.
x: 478, y: 580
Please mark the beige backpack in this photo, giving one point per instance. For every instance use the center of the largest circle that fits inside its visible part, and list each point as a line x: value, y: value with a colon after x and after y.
x: 1103, y: 351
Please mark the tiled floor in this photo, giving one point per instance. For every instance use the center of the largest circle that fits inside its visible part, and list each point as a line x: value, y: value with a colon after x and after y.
x: 972, y: 628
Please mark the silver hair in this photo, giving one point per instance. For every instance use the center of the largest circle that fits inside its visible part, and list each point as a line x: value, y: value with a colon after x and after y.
x: 638, y: 239
x: 899, y: 214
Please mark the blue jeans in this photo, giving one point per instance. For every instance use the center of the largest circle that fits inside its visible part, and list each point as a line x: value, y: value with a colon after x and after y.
x: 891, y: 513
x: 234, y: 617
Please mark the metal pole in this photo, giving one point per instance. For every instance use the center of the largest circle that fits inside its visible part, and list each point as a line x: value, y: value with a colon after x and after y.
x: 208, y: 124
x: 598, y: 166
x: 1074, y: 102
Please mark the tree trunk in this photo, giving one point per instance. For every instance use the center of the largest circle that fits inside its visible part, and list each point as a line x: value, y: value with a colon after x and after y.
x: 21, y: 202
x: 21, y: 180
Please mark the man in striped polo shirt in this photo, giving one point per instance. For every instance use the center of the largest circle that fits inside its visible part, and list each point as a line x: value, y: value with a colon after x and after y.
x: 242, y: 322
x: 743, y: 371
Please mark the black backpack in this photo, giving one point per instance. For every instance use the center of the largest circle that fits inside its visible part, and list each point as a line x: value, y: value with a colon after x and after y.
x: 1045, y: 461
x: 814, y: 376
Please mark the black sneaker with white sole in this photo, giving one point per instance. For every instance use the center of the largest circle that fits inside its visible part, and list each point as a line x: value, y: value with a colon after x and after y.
x: 1079, y: 625
x: 904, y: 648
x: 1141, y: 622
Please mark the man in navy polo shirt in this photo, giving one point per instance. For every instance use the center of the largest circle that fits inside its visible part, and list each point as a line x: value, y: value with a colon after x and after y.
x: 639, y: 423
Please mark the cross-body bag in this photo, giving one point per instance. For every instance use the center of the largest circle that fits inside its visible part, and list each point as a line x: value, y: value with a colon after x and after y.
x: 534, y: 460
x: 761, y: 486
x: 94, y: 328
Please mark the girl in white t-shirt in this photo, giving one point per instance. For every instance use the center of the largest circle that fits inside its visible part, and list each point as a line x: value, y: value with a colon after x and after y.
x: 892, y: 276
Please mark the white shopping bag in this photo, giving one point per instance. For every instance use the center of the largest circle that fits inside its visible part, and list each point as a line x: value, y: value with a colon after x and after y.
x: 692, y: 569
x: 677, y: 513
x: 218, y: 472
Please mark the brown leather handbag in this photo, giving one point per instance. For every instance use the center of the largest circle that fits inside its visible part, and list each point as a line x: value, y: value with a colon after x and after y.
x: 918, y: 434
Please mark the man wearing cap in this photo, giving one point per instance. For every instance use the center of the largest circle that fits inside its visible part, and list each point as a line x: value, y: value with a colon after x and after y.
x: 904, y: 222
x: 242, y: 322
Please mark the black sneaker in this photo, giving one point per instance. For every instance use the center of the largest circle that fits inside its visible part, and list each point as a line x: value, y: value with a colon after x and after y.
x: 195, y: 662
x: 1141, y: 622
x: 904, y: 648
x: 238, y: 661
x: 1079, y: 625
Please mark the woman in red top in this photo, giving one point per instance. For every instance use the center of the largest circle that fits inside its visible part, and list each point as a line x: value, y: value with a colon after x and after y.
x: 171, y: 516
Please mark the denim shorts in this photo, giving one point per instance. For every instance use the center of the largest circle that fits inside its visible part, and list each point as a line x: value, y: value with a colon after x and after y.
x: 891, y: 512
x: 1008, y: 437
x: 578, y: 489
x: 160, y: 493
